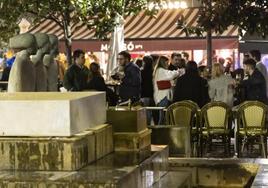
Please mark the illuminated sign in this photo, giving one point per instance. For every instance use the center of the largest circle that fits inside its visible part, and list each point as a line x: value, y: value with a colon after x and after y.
x: 130, y: 46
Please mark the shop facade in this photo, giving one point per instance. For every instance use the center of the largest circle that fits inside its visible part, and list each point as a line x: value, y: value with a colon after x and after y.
x: 151, y: 35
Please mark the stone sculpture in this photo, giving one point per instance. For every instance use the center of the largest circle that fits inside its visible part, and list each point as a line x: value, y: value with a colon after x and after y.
x: 22, y: 74
x: 43, y: 46
x: 51, y: 64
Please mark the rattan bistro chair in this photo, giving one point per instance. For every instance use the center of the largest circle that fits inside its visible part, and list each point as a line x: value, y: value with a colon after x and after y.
x: 185, y: 113
x: 215, y: 121
x: 251, y: 118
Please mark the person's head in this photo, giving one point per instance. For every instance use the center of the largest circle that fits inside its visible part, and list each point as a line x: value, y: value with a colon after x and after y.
x: 139, y: 63
x: 175, y: 59
x: 79, y: 57
x: 185, y: 56
x: 256, y: 55
x: 124, y: 58
x: 182, y: 63
x: 162, y: 62
x: 191, y: 67
x: 238, y: 74
x: 249, y: 66
x: 221, y: 61
x: 217, y: 70
x: 148, y: 63
x: 203, y: 71
x: 246, y: 56
x: 94, y: 68
x: 155, y: 58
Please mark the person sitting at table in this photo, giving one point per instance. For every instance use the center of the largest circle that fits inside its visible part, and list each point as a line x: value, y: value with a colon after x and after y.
x: 97, y: 83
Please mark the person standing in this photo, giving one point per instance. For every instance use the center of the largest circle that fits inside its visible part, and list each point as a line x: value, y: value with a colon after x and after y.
x: 77, y: 75
x: 191, y: 86
x: 147, y: 90
x: 163, y: 94
x: 130, y: 87
x: 221, y: 86
x: 256, y: 55
x: 254, y: 85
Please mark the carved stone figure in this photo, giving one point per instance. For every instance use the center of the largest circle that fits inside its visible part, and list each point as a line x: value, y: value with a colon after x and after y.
x: 22, y: 74
x: 43, y: 46
x: 51, y: 64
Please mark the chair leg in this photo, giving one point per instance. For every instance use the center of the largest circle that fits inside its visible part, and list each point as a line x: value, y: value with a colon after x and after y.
x: 229, y: 145
x: 237, y: 143
x: 194, y: 150
x: 263, y: 147
x: 209, y: 144
x: 201, y: 145
x: 194, y: 145
x: 197, y: 146
x: 244, y: 141
x: 204, y: 146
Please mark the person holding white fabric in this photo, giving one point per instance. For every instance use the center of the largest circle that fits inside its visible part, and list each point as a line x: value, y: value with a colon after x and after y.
x: 162, y: 78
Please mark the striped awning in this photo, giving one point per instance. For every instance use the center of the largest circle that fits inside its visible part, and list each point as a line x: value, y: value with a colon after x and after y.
x: 142, y: 26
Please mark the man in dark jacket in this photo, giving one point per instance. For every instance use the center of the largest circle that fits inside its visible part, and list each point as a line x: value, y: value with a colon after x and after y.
x: 191, y: 86
x: 255, y: 85
x: 130, y: 87
x: 76, y: 77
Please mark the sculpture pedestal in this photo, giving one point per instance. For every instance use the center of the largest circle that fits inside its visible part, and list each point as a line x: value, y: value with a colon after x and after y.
x: 132, y: 141
x: 130, y: 128
x: 103, y: 140
x: 124, y: 120
x: 56, y: 153
x: 50, y: 114
x: 47, y: 153
x: 177, y: 138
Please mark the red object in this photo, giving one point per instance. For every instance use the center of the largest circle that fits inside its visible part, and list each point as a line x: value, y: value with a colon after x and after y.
x: 163, y: 84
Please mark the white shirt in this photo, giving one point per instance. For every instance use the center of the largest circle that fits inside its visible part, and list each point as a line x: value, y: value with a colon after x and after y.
x: 164, y: 74
x: 220, y: 89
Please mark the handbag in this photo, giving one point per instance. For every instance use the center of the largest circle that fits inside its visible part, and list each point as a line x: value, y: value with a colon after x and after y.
x: 163, y: 84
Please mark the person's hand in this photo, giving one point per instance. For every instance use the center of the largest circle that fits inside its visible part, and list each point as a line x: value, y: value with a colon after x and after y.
x: 181, y: 71
x: 235, y: 83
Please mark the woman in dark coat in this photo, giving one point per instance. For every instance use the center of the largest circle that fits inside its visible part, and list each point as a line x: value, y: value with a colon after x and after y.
x: 147, y: 90
x: 191, y: 86
x: 97, y: 83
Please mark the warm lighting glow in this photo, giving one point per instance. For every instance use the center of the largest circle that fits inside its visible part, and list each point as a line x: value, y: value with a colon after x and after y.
x: 198, y: 55
x: 225, y: 53
x: 184, y: 4
x: 168, y: 5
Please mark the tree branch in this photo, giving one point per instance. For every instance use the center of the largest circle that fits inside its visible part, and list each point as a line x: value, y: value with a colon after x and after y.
x: 55, y: 19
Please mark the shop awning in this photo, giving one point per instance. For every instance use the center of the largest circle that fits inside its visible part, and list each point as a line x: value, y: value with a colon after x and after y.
x: 142, y: 26
x: 252, y: 42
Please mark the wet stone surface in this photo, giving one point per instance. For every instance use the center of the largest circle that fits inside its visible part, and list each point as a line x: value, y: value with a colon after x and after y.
x: 223, y: 172
x: 261, y: 180
x: 139, y: 170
